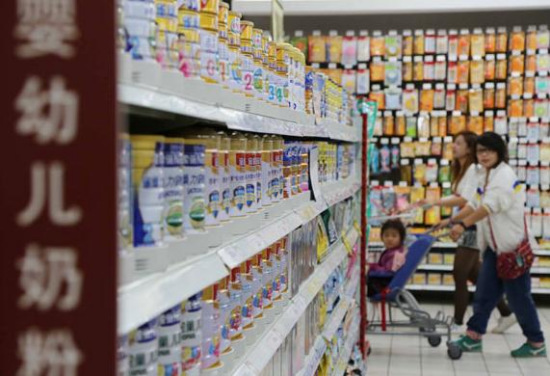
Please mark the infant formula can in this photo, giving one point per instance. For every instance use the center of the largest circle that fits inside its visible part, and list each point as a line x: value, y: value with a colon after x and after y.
x: 251, y: 146
x: 234, y: 31
x: 237, y: 169
x: 267, y: 170
x: 169, y: 331
x: 235, y: 295
x: 144, y: 350
x: 247, y: 30
x: 225, y: 315
x: 173, y: 188
x: 191, y: 336
x: 189, y: 4
x: 211, y: 328
x: 189, y: 52
x: 148, y: 189
x: 194, y: 211
x: 212, y: 186
x: 209, y: 45
x: 224, y: 176
x: 234, y: 66
x: 258, y: 175
x: 210, y: 6
x: 141, y: 38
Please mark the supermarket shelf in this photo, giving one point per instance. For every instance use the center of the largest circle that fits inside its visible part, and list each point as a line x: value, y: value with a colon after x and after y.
x: 211, y: 102
x: 353, y: 337
x: 259, y: 356
x: 165, y: 276
x: 534, y: 290
x: 378, y: 246
x: 238, y: 251
x: 449, y: 268
x: 144, y: 299
x: 436, y: 268
x: 375, y: 246
x: 354, y: 7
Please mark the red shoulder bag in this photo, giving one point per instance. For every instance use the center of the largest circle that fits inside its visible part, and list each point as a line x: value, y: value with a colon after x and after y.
x: 511, y: 265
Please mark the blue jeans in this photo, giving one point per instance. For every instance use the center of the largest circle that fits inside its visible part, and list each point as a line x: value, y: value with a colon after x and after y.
x: 489, y: 291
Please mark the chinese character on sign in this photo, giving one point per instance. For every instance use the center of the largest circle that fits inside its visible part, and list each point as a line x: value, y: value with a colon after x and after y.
x: 57, y: 213
x: 50, y: 276
x: 48, y: 354
x: 51, y: 114
x: 46, y: 27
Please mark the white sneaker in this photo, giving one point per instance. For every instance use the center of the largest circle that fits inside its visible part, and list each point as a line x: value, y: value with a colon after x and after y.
x: 455, y: 328
x: 504, y: 323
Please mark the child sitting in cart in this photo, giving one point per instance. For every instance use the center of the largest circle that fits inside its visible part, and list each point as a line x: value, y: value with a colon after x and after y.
x: 380, y: 273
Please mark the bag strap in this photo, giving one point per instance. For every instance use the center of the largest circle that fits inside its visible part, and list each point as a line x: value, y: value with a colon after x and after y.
x: 492, y: 234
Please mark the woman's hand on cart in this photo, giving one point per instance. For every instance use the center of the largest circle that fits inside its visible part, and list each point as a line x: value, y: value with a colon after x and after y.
x: 456, y: 231
x: 443, y: 224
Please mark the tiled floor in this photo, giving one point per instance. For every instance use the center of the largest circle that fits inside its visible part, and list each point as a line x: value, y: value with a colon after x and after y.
x: 413, y: 356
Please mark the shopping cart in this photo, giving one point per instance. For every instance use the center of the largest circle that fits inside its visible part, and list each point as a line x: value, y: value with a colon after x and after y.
x: 395, y: 295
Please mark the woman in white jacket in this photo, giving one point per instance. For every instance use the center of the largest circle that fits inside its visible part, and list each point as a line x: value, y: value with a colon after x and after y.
x: 498, y: 206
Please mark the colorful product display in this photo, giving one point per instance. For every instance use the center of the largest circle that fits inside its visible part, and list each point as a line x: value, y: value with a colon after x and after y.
x: 208, y: 41
x: 207, y: 333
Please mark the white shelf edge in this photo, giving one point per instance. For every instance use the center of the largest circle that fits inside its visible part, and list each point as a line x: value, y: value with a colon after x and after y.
x: 148, y: 297
x: 259, y: 356
x: 252, y: 115
x: 441, y: 245
x: 415, y: 287
x: 239, y: 250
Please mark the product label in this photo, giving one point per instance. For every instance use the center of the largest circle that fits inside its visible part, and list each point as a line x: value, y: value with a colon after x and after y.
x: 247, y: 69
x: 258, y: 79
x: 191, y: 339
x: 224, y: 64
x: 209, y: 66
x: 193, y: 181
x: 149, y: 201
x: 234, y: 66
x: 173, y: 190
x: 213, y: 190
x: 250, y: 183
x: 238, y: 184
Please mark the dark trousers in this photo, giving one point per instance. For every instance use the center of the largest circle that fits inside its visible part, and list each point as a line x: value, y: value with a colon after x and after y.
x: 489, y: 291
x: 466, y: 268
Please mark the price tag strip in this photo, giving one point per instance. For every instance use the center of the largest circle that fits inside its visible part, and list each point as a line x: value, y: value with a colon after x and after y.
x: 261, y: 118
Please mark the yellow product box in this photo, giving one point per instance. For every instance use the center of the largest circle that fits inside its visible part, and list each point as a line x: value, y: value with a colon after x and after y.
x: 545, y: 282
x: 544, y: 261
x: 535, y: 282
x: 434, y: 279
x: 435, y: 258
x: 449, y: 259
x: 448, y: 280
x: 419, y: 278
x: 374, y: 235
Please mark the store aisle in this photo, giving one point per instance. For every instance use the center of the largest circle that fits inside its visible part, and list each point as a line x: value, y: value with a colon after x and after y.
x: 413, y: 356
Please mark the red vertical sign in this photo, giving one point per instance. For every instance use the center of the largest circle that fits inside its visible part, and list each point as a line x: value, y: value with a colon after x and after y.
x: 58, y: 188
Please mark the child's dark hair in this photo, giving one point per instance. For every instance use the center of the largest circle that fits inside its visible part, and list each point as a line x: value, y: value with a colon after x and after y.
x: 397, y: 225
